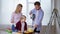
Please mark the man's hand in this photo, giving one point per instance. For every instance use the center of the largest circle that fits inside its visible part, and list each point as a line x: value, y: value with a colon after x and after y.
x: 35, y: 26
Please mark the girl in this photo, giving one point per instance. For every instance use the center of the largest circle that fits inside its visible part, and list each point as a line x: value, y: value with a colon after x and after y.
x: 22, y: 25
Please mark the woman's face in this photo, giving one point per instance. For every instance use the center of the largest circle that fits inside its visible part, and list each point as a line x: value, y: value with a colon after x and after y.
x: 19, y: 8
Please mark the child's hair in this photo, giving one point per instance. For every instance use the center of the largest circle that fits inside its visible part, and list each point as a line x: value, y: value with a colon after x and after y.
x: 22, y: 17
x: 19, y: 5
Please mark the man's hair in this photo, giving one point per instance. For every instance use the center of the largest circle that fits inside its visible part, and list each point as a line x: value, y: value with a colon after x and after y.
x: 37, y: 3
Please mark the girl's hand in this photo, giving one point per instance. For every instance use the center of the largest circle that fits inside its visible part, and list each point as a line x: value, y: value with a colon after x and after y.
x: 25, y: 31
x: 19, y: 31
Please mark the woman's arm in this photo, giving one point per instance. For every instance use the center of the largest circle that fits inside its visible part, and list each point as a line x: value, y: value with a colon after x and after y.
x: 12, y: 18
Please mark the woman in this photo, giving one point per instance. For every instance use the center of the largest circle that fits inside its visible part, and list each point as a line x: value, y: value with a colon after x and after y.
x: 16, y: 15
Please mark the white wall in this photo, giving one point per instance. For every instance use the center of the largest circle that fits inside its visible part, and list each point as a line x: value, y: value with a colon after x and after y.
x: 52, y: 5
x: 57, y: 6
x: 8, y: 6
x: 46, y: 6
x: 0, y: 11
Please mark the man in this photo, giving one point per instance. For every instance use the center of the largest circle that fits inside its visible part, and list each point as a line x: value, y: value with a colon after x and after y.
x: 38, y: 16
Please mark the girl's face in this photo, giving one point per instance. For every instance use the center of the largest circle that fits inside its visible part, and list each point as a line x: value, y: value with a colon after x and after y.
x: 23, y: 20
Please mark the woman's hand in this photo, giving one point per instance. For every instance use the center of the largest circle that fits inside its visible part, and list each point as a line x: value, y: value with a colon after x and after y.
x: 12, y: 21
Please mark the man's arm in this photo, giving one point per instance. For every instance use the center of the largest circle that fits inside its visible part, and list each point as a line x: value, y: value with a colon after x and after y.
x: 41, y: 18
x: 31, y: 14
x: 37, y: 21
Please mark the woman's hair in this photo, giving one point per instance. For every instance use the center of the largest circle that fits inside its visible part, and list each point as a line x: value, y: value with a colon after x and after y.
x: 19, y: 5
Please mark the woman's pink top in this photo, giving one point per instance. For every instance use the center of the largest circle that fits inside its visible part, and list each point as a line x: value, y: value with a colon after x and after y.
x: 15, y: 17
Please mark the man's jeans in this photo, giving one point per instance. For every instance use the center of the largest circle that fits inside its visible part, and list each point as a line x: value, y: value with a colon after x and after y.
x: 36, y: 32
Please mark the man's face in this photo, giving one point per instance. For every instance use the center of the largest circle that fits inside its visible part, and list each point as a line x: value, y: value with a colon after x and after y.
x: 37, y: 7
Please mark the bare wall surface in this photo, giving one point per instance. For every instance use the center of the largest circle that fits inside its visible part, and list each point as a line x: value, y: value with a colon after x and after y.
x: 57, y: 6
x: 8, y: 6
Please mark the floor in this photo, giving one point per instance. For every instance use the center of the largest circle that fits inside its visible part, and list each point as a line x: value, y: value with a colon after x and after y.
x: 2, y: 31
